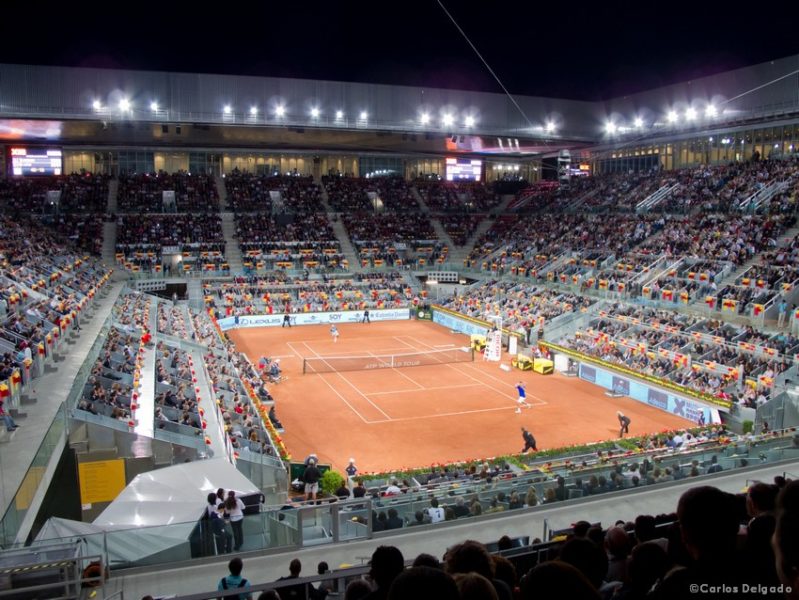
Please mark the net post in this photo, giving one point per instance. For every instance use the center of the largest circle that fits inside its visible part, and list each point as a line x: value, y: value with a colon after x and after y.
x: 304, y: 361
x: 471, y: 351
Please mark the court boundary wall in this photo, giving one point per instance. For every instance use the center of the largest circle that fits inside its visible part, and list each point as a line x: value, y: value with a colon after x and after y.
x: 314, y: 318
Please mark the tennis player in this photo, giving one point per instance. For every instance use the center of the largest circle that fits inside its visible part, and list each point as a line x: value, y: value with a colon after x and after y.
x: 522, y: 401
x: 334, y: 332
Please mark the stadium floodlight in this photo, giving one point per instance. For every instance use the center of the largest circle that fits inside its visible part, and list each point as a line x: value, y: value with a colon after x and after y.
x: 315, y: 113
x: 364, y: 115
x: 711, y: 111
x: 280, y: 110
x: 253, y: 110
x: 638, y: 122
x: 447, y: 120
x: 549, y: 127
x: 610, y: 127
x: 124, y: 105
x: 339, y: 114
x: 227, y: 110
x: 97, y: 105
x: 154, y: 106
x: 424, y: 118
x: 672, y: 116
x: 469, y: 121
x: 690, y: 113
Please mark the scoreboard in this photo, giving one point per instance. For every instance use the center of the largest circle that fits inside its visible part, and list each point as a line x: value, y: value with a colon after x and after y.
x: 35, y: 161
x: 464, y: 169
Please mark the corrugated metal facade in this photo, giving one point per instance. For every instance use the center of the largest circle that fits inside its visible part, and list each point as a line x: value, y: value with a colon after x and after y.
x: 69, y: 92
x: 61, y: 92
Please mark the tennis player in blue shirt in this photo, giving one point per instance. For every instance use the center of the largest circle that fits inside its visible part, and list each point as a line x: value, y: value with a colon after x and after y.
x: 522, y: 401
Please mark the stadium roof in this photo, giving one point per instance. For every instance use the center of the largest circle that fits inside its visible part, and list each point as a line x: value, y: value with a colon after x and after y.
x: 116, y: 107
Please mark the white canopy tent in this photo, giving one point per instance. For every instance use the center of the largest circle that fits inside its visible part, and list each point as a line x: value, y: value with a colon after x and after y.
x: 156, y: 513
x: 175, y: 494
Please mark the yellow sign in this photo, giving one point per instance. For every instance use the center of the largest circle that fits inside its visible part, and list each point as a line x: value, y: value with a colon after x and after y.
x: 101, y: 481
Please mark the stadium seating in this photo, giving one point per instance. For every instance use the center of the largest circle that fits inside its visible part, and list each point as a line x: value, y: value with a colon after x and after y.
x: 144, y: 193
x: 449, y: 196
x: 277, y: 293
x: 253, y: 193
x: 197, y: 238
x: 86, y: 193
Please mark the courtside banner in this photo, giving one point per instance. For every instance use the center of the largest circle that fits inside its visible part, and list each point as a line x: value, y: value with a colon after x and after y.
x: 450, y: 321
x: 661, y: 399
x: 463, y: 324
x: 318, y: 318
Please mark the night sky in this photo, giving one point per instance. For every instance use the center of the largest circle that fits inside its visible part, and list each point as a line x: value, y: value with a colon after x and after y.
x: 550, y: 49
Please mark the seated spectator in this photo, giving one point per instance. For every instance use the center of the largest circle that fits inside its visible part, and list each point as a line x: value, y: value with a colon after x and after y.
x: 557, y: 579
x: 424, y: 583
x: 386, y: 564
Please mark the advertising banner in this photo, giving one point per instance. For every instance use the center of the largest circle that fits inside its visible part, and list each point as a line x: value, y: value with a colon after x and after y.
x: 460, y: 325
x: 665, y: 401
x: 320, y: 318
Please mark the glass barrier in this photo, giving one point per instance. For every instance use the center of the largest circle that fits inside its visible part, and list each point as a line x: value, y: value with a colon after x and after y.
x: 54, y: 440
x: 294, y: 526
x: 188, y: 441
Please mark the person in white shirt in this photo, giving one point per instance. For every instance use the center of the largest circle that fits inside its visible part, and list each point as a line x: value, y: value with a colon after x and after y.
x: 393, y: 489
x: 235, y: 510
x: 435, y: 512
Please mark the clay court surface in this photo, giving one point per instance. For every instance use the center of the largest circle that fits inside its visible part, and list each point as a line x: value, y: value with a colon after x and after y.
x: 416, y: 416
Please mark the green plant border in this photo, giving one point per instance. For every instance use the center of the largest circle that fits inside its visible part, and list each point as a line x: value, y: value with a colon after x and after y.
x: 538, y: 460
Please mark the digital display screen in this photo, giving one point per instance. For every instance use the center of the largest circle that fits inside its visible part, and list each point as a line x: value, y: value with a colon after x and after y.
x: 464, y: 169
x: 35, y: 161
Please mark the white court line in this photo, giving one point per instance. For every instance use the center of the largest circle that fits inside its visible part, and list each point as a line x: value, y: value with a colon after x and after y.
x: 451, y: 366
x: 427, y: 389
x: 399, y: 372
x: 348, y: 353
x: 380, y: 410
x: 444, y: 346
x: 513, y: 385
x: 451, y: 414
x: 470, y: 366
x: 540, y: 402
x: 343, y: 399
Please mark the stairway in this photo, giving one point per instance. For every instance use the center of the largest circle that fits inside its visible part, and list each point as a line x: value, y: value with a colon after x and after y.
x: 782, y: 241
x: 346, y: 245
x: 786, y: 237
x: 194, y: 290
x: 325, y: 198
x: 109, y: 242
x: 215, y: 430
x: 503, y: 206
x: 656, y: 197
x: 232, y: 250
x: 459, y: 253
x: 113, y: 190
x: 443, y: 235
x: 420, y: 200
x: 222, y: 191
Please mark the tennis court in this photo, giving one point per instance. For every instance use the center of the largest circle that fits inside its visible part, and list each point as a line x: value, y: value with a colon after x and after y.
x: 409, y: 416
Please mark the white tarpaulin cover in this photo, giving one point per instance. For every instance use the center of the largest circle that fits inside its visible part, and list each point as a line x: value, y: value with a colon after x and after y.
x: 124, y: 547
x: 157, y: 511
x: 175, y: 494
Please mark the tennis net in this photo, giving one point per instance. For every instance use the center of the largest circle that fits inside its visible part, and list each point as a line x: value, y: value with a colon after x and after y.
x: 335, y: 364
